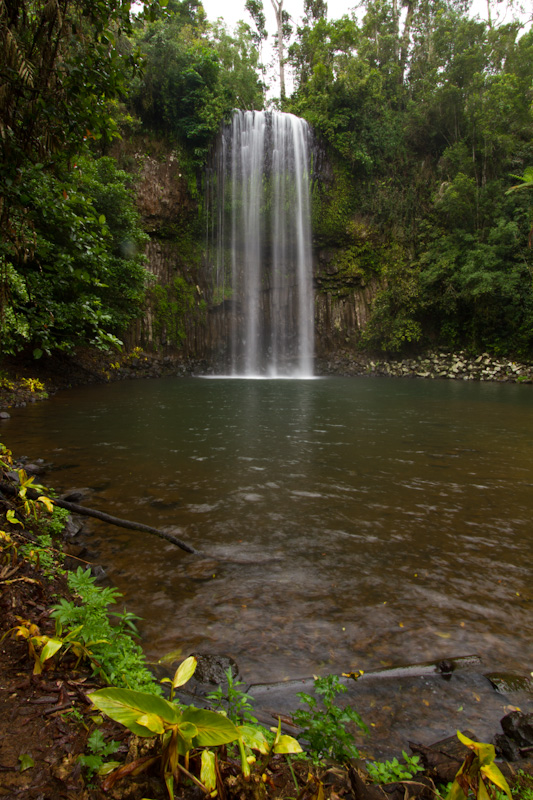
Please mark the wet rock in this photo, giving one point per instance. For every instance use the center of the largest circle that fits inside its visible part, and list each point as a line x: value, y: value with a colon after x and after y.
x: 506, y: 682
x: 519, y: 728
x: 35, y: 468
x: 73, y: 526
x: 98, y: 572
x: 75, y: 495
x: 212, y: 669
x: 5, y: 415
x: 506, y: 748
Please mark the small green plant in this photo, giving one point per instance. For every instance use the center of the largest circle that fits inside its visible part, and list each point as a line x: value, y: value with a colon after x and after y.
x: 233, y: 702
x: 98, y: 749
x: 43, y: 555
x: 114, y: 656
x: 393, y: 771
x: 325, y: 729
x: 523, y: 789
x: 54, y: 525
x: 478, y: 776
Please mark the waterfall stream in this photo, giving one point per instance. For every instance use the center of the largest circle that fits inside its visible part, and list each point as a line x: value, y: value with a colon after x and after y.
x: 259, y: 244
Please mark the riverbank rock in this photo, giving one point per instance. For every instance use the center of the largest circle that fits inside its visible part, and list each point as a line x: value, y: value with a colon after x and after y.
x: 432, y: 365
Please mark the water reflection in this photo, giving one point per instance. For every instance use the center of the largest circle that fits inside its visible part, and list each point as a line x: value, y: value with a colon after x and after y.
x: 348, y: 522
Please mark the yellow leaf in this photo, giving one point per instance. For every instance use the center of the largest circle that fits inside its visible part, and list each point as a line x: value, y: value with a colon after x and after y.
x: 493, y: 774
x: 46, y: 502
x: 443, y: 635
x: 184, y: 672
x: 355, y: 675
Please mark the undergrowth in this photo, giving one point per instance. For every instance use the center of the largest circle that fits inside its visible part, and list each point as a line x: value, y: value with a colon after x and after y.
x: 115, y: 657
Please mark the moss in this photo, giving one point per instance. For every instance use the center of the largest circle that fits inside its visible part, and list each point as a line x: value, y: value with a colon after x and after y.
x: 333, y: 203
x: 172, y: 306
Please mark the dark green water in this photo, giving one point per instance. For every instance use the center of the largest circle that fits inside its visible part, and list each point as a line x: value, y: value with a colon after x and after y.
x: 352, y: 522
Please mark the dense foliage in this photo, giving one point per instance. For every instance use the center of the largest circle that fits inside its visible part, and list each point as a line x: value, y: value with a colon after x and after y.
x: 430, y: 122
x: 195, y: 74
x: 70, y: 265
x: 425, y: 118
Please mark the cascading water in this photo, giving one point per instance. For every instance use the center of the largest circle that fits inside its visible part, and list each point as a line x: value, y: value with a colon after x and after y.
x: 259, y: 244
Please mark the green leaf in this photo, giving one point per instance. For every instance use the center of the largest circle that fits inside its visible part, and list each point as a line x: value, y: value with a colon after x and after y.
x: 26, y: 762
x: 253, y: 738
x: 213, y: 728
x: 50, y: 649
x: 208, y: 774
x: 101, y: 219
x: 188, y: 730
x: 456, y: 793
x: 152, y: 722
x: 184, y: 672
x: 126, y: 706
x: 37, y: 353
x: 482, y: 793
x: 108, y: 767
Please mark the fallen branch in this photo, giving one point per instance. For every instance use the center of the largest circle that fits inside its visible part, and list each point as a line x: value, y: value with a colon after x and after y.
x: 101, y: 515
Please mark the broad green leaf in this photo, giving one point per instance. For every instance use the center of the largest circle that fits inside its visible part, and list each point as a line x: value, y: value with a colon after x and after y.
x: 213, y: 728
x: 188, y: 729
x: 184, y: 672
x: 50, y: 649
x: 287, y: 744
x: 10, y: 516
x: 493, y: 773
x: 208, y: 774
x: 151, y: 721
x: 126, y: 706
x: 253, y: 738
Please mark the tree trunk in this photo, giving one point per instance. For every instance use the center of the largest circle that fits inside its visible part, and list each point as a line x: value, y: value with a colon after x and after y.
x: 90, y: 512
x: 278, y: 11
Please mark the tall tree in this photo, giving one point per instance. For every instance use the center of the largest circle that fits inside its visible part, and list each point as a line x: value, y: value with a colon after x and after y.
x: 284, y: 30
x: 62, y: 63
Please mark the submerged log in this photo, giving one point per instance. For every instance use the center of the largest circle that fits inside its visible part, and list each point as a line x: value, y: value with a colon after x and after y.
x: 101, y: 515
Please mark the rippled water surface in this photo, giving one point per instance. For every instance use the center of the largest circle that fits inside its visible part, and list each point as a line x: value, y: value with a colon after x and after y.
x: 345, y: 522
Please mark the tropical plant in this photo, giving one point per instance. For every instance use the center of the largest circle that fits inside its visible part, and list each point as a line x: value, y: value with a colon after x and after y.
x: 111, y: 651
x: 392, y: 771
x: 526, y: 183
x: 233, y: 701
x: 478, y: 776
x: 180, y: 730
x: 98, y: 748
x: 324, y: 729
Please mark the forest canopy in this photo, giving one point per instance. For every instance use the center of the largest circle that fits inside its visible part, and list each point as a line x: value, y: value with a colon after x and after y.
x: 423, y: 112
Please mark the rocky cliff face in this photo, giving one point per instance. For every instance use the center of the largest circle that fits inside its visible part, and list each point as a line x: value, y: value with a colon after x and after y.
x: 183, y: 315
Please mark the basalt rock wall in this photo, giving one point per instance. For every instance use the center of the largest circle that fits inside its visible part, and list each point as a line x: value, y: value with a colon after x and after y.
x: 183, y: 315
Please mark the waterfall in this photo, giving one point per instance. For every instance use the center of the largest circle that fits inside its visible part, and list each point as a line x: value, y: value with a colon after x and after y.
x: 259, y: 244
